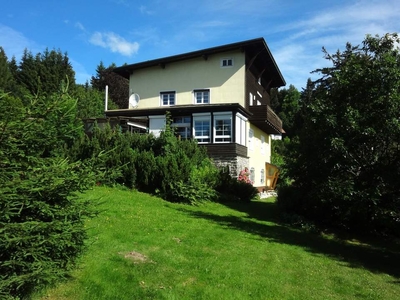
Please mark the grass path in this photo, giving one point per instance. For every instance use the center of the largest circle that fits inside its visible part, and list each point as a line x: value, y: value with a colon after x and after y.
x: 142, y: 247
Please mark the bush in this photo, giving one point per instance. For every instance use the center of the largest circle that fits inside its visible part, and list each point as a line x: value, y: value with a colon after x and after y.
x: 111, y: 154
x: 191, y: 192
x: 231, y: 189
x: 158, y: 165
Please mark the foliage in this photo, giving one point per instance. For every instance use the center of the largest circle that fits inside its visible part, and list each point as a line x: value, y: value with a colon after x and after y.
x: 192, y: 192
x: 118, y: 86
x: 43, y: 73
x: 5, y: 72
x: 244, y: 176
x: 199, y: 187
x: 41, y: 216
x: 280, y: 150
x: 287, y: 103
x: 152, y: 164
x: 346, y: 163
x: 178, y: 170
x: 232, y: 189
x: 90, y: 102
x: 110, y: 152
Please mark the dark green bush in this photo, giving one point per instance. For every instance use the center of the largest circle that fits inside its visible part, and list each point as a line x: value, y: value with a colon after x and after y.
x: 111, y: 155
x: 192, y: 192
x: 157, y: 165
x: 231, y: 189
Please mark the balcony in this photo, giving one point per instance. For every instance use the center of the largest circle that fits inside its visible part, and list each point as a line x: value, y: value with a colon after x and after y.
x: 266, y: 119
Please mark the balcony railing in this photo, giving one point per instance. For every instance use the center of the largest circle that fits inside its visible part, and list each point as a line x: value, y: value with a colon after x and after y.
x: 266, y: 119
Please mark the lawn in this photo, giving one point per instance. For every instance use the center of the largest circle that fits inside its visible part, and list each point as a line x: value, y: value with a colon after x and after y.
x: 142, y: 247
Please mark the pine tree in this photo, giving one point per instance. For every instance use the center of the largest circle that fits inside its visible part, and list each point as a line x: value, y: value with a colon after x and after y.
x: 5, y: 73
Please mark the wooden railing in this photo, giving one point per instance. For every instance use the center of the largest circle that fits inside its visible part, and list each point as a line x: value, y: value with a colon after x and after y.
x: 265, y: 114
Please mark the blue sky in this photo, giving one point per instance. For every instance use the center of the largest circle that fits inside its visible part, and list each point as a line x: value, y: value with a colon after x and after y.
x: 124, y: 31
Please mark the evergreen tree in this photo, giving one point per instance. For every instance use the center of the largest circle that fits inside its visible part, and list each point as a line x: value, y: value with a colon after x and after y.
x: 41, y: 216
x: 43, y: 73
x: 5, y: 72
x: 90, y: 102
x: 28, y: 74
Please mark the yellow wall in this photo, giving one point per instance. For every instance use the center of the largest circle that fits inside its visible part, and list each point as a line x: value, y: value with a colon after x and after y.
x: 257, y: 159
x: 226, y: 84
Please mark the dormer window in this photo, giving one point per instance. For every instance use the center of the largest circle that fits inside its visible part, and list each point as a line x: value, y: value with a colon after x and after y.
x: 226, y: 62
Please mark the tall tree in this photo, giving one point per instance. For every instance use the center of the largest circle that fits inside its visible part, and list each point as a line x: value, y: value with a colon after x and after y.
x: 347, y: 162
x: 44, y: 72
x: 118, y: 86
x: 41, y: 216
x: 289, y: 109
x: 28, y: 74
x: 5, y: 72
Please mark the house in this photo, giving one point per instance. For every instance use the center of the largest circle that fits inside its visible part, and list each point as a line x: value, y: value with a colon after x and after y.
x: 219, y: 96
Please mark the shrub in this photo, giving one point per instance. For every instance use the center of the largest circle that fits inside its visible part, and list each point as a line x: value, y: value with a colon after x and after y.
x: 192, y: 192
x: 232, y: 189
x: 111, y: 154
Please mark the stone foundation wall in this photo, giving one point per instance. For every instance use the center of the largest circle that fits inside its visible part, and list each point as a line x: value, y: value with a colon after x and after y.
x: 235, y: 164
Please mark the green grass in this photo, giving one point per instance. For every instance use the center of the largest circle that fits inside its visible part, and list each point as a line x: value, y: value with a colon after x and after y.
x: 216, y: 251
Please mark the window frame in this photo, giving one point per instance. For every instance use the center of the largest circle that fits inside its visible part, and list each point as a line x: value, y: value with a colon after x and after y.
x: 169, y: 93
x: 229, y: 137
x: 186, y: 124
x: 250, y: 139
x: 202, y: 91
x: 262, y: 145
x: 227, y: 60
x: 241, y: 129
x: 252, y: 175
x: 202, y: 139
x: 262, y: 179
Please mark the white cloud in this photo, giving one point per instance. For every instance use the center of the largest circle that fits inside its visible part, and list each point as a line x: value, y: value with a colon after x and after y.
x: 299, y: 52
x: 145, y: 11
x: 14, y: 42
x: 114, y: 42
x: 79, y: 26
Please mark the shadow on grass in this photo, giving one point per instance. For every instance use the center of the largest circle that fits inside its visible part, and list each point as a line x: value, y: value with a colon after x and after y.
x: 263, y: 220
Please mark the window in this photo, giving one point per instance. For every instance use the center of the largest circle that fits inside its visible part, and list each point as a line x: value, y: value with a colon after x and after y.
x: 201, y: 128
x: 251, y: 138
x: 252, y: 99
x: 167, y: 98
x: 156, y: 124
x: 262, y: 144
x: 252, y: 175
x: 202, y: 96
x: 262, y: 176
x: 240, y: 129
x: 182, y: 127
x: 226, y: 62
x: 222, y: 127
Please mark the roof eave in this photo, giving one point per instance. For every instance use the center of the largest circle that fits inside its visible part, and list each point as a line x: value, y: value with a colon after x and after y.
x: 127, y: 70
